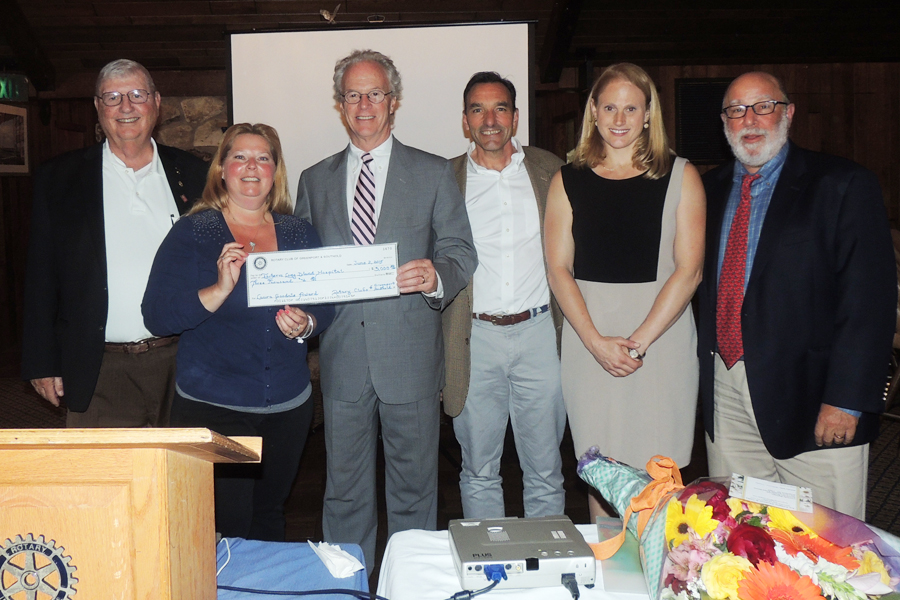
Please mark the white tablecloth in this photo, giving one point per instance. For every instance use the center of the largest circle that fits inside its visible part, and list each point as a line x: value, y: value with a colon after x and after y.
x: 418, y: 566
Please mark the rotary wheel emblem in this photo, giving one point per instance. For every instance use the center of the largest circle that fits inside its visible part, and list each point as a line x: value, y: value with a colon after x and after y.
x: 33, y: 569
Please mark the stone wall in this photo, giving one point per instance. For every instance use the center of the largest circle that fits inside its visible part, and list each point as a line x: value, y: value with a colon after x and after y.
x: 193, y: 123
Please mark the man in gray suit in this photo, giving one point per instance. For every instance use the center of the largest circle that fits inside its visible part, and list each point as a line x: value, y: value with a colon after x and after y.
x: 502, y: 331
x: 383, y: 360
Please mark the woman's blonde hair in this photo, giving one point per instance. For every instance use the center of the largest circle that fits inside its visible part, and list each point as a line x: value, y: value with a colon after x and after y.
x: 215, y: 195
x: 651, y: 150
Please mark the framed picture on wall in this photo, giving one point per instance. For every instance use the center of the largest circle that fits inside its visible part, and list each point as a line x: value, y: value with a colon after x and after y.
x: 13, y: 139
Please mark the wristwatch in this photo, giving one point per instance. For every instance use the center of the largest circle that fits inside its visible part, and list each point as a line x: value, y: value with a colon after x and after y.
x: 633, y: 353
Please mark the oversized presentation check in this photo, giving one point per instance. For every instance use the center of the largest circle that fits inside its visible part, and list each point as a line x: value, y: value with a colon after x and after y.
x: 332, y: 274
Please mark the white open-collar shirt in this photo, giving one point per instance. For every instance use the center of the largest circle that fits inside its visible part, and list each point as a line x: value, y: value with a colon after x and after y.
x: 138, y: 211
x: 506, y: 226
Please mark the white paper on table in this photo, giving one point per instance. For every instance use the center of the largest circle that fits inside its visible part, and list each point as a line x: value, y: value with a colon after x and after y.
x: 331, y: 274
x: 340, y: 563
x: 782, y: 495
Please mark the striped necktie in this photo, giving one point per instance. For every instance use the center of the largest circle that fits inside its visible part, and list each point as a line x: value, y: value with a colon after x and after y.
x: 362, y: 223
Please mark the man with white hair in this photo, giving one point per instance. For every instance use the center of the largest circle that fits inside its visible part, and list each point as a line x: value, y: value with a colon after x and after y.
x: 382, y: 361
x: 98, y: 217
x: 797, y: 306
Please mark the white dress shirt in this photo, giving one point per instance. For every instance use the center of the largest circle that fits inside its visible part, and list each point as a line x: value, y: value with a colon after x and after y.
x: 381, y: 159
x: 503, y: 212
x: 138, y: 211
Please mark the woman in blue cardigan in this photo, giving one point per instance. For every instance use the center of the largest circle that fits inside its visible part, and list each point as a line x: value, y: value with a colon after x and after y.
x: 240, y: 370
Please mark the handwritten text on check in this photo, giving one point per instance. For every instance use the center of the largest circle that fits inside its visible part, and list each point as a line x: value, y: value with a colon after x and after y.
x: 333, y: 274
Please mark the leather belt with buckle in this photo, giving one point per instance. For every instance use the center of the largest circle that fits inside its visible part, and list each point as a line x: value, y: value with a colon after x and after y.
x: 512, y: 319
x: 141, y: 346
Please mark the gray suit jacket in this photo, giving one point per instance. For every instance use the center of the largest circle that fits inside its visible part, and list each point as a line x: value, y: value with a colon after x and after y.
x: 457, y: 319
x: 396, y: 340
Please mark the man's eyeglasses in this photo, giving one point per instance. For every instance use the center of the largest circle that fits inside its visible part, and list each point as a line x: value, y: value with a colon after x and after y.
x: 115, y: 98
x: 766, y: 107
x: 375, y: 97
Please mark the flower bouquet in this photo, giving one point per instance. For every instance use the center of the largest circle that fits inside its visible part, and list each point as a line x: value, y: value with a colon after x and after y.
x: 699, y: 543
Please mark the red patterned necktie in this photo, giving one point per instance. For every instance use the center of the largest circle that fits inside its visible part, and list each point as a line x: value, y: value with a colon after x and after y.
x: 731, y: 281
x: 362, y: 223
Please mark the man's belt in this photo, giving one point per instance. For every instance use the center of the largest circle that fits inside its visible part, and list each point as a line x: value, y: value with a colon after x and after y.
x: 512, y: 319
x: 141, y: 346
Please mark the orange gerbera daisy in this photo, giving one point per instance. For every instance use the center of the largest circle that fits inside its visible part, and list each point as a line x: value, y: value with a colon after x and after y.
x: 777, y: 581
x: 796, y: 543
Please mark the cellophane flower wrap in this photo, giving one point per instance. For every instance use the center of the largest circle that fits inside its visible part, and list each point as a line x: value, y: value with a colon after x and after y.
x: 619, y: 484
x: 700, y: 544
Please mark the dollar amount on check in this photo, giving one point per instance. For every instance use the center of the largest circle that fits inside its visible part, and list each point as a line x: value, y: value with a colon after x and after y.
x: 333, y: 274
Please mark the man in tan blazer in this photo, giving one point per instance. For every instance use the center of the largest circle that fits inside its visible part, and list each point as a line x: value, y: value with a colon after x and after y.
x: 501, y: 333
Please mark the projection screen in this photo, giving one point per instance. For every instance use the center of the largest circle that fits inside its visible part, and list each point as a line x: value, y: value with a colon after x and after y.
x: 285, y: 79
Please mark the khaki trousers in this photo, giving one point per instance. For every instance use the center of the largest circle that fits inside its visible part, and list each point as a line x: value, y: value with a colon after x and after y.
x: 837, y: 476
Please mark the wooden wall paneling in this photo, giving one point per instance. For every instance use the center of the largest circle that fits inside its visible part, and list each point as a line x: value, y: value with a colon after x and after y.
x: 796, y: 86
x: 559, y: 124
x: 814, y: 110
x: 74, y: 124
x: 866, y: 143
x: 875, y: 126
x: 889, y: 122
x: 40, y: 119
x: 871, y: 115
x: 665, y: 86
x: 835, y: 135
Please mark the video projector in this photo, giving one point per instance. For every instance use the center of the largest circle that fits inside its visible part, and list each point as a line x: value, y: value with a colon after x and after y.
x: 534, y: 552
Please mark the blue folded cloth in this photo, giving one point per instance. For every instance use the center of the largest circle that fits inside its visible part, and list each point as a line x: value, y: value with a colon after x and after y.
x: 280, y: 566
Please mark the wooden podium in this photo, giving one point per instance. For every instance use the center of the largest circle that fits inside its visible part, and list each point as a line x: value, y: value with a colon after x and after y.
x: 128, y: 513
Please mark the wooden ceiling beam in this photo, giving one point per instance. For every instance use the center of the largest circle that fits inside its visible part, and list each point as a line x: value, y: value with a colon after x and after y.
x: 18, y: 34
x: 555, y: 48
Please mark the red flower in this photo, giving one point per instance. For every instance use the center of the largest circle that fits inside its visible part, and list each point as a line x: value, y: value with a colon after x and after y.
x: 753, y: 543
x: 714, y: 494
x: 813, y: 548
x: 675, y: 584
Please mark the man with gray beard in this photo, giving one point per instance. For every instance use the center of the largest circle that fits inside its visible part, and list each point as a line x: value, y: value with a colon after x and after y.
x: 797, y: 306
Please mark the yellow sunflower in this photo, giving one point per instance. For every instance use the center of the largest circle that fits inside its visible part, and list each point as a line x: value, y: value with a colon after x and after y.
x: 786, y: 521
x: 694, y: 516
x: 738, y: 506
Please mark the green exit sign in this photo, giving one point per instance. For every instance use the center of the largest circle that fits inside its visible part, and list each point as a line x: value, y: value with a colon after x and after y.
x: 13, y: 88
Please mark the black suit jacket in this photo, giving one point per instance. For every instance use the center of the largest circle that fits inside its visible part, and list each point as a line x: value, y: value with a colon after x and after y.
x: 820, y: 307
x: 66, y: 298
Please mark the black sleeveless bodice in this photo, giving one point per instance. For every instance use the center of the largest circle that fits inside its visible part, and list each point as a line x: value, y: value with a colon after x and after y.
x: 616, y: 225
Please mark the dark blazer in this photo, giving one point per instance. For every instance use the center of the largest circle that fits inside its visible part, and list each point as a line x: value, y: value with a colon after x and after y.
x: 66, y: 298
x: 457, y: 318
x: 819, y: 311
x: 395, y: 341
